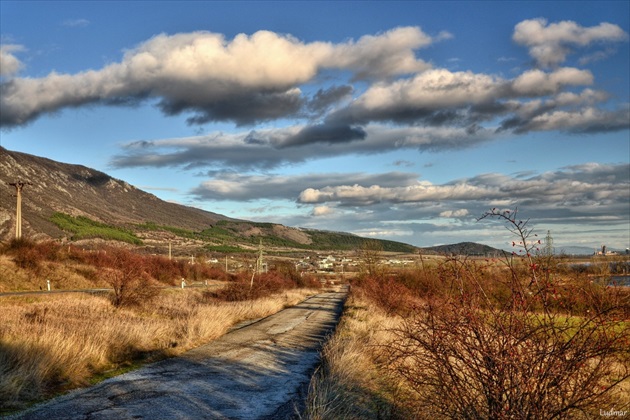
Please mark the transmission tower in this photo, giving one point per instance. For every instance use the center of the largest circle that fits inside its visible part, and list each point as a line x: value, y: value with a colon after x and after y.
x: 19, y: 185
x: 548, y: 244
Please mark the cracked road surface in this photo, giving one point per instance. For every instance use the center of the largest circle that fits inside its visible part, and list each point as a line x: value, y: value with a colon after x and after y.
x: 254, y: 372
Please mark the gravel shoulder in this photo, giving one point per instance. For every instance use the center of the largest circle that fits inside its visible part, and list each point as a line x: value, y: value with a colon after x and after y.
x: 255, y: 372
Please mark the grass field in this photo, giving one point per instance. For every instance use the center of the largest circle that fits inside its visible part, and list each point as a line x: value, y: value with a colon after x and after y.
x: 52, y: 343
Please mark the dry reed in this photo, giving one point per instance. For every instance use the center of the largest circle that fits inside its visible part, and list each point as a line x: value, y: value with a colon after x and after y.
x: 57, y: 342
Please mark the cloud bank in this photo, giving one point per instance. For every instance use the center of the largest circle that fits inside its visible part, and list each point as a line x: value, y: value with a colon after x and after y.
x: 247, y: 79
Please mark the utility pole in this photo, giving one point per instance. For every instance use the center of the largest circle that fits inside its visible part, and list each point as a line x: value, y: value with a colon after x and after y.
x: 259, y: 264
x: 259, y: 261
x: 19, y: 185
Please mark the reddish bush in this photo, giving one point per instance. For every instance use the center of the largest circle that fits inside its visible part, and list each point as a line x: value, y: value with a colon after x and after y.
x: 29, y: 255
x: 164, y: 270
x: 126, y: 274
x: 388, y: 293
x: 241, y: 287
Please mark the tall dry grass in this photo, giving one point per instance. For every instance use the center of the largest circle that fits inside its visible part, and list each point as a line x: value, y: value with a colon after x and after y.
x: 54, y: 343
x: 350, y: 382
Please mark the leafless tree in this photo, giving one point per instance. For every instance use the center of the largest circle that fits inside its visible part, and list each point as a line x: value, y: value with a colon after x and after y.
x: 127, y: 276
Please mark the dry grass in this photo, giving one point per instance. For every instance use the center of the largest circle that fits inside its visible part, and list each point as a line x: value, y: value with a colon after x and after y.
x: 52, y: 343
x: 350, y: 384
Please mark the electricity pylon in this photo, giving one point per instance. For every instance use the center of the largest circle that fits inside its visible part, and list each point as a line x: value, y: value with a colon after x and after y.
x: 19, y: 185
x: 549, y: 244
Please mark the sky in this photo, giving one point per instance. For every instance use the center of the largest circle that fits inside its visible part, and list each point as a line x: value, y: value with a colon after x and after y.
x: 393, y: 120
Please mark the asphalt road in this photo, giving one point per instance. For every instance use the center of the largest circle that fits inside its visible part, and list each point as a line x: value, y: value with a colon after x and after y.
x: 259, y: 371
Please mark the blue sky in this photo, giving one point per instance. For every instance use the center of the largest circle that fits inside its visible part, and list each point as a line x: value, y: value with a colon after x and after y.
x: 394, y: 120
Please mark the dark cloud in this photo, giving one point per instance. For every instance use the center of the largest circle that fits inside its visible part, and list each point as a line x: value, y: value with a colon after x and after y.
x: 253, y: 138
x: 324, y: 98
x: 245, y: 109
x: 323, y: 133
x: 269, y: 149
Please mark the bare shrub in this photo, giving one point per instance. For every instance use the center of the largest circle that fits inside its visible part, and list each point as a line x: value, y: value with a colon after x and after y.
x: 265, y: 284
x: 370, y: 258
x: 126, y: 274
x: 518, y: 351
x: 467, y: 363
x: 25, y: 253
x: 164, y: 270
x: 389, y: 294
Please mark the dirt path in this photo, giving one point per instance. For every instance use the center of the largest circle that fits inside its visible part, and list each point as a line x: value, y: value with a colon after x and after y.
x: 255, y: 372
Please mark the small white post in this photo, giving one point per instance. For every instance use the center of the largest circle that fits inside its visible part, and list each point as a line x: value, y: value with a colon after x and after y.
x: 48, y: 284
x: 183, y: 283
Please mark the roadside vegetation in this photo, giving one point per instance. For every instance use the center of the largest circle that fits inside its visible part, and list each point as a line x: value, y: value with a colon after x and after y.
x: 522, y: 337
x: 50, y: 343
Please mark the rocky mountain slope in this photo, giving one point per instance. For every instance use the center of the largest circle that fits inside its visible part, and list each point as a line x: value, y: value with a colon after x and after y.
x: 63, y: 192
x: 80, y: 191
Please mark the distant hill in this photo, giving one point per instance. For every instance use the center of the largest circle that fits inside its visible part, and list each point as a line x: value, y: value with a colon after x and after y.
x: 76, y: 202
x: 463, y: 248
x: 80, y: 191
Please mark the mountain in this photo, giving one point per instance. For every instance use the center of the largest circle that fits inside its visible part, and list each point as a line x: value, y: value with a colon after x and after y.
x: 463, y: 248
x: 73, y: 201
x: 80, y: 191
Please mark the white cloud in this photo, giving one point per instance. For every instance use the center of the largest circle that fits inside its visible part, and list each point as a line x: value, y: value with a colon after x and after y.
x: 592, y: 185
x: 439, y: 97
x: 550, y: 43
x: 322, y: 211
x: 454, y: 213
x: 9, y: 63
x: 358, y: 195
x: 385, y: 54
x: 76, y: 23
x: 583, y: 120
x: 249, y: 78
x: 432, y: 89
x: 246, y: 187
x: 539, y: 83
